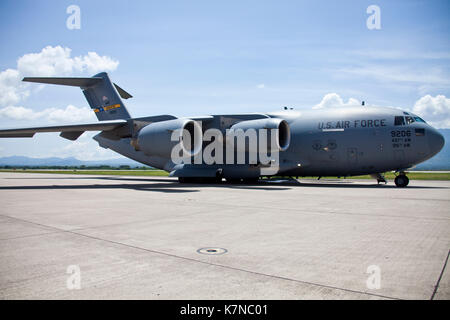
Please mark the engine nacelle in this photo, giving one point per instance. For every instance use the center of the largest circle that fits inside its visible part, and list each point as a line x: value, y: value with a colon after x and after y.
x: 159, y: 138
x: 282, y: 137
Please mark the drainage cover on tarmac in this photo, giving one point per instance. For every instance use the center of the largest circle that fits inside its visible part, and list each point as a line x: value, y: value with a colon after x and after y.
x: 212, y: 251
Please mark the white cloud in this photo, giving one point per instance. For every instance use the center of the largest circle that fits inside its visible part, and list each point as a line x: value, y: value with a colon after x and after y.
x: 69, y: 114
x: 18, y: 113
x: 93, y: 63
x: 261, y: 86
x: 50, y: 61
x: 333, y: 100
x: 11, y: 89
x: 435, y: 110
x: 56, y: 61
x: 84, y: 149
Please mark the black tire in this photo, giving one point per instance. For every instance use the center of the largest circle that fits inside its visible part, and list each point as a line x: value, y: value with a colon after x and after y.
x: 182, y: 180
x: 401, y: 181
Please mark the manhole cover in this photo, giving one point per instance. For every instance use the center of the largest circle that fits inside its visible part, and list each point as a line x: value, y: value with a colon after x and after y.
x: 212, y: 251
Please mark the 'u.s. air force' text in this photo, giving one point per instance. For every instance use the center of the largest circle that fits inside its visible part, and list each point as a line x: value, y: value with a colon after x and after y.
x: 345, y: 124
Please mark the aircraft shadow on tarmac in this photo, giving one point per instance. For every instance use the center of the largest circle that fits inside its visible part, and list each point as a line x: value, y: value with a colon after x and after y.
x: 173, y: 186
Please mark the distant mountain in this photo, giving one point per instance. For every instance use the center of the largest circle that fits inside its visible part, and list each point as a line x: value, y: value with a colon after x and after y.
x: 441, y: 161
x: 35, y: 162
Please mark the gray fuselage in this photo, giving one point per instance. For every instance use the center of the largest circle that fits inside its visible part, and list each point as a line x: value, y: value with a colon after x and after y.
x: 325, y: 142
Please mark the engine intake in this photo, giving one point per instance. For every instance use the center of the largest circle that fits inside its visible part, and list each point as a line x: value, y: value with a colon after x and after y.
x: 283, y: 131
x: 156, y: 138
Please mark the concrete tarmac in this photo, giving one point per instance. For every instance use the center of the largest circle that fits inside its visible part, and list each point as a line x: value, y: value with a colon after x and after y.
x: 110, y: 237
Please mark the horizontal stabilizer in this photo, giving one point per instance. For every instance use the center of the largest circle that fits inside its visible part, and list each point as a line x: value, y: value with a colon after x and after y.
x: 16, y: 135
x: 71, y: 132
x: 74, y: 82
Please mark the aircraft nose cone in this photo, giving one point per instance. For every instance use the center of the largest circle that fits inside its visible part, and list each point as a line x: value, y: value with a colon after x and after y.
x: 436, y: 141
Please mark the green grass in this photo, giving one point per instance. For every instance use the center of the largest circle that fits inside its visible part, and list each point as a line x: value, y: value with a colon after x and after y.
x: 160, y: 173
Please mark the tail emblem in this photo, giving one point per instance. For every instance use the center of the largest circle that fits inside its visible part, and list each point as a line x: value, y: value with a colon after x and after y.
x: 114, y: 106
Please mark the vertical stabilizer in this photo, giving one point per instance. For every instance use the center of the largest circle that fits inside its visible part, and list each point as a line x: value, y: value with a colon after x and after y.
x: 103, y: 96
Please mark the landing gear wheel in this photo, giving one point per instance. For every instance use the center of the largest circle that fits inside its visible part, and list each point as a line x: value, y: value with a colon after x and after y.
x: 234, y: 180
x: 183, y: 180
x: 401, y: 181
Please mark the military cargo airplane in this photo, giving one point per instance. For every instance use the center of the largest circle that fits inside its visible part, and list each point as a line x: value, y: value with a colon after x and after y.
x: 342, y: 142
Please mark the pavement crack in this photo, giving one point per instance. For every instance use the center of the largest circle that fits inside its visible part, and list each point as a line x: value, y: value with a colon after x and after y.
x: 436, y: 287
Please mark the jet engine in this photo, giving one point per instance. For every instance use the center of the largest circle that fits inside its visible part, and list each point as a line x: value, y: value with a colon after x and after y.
x: 159, y: 138
x: 282, y: 137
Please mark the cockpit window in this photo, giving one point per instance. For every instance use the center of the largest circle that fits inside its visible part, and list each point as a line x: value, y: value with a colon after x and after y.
x: 409, y: 119
x: 399, y: 121
x: 406, y: 120
x: 418, y: 119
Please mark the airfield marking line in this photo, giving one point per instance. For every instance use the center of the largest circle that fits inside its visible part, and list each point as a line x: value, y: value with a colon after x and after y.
x: 204, y: 262
x: 440, y: 277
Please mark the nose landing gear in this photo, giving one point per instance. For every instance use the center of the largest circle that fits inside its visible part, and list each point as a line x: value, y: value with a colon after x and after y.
x: 401, y: 180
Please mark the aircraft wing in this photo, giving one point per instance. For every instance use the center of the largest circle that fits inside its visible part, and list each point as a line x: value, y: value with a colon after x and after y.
x: 71, y: 131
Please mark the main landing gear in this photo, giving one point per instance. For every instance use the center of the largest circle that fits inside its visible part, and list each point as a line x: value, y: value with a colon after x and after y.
x: 401, y: 180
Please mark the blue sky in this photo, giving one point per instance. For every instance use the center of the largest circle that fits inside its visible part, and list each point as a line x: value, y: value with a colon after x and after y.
x: 208, y: 57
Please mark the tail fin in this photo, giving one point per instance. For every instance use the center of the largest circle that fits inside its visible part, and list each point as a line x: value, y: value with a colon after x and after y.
x: 102, y: 95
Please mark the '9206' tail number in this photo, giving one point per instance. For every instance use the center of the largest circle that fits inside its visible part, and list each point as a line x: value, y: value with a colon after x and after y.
x: 401, y: 138
x: 400, y: 133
